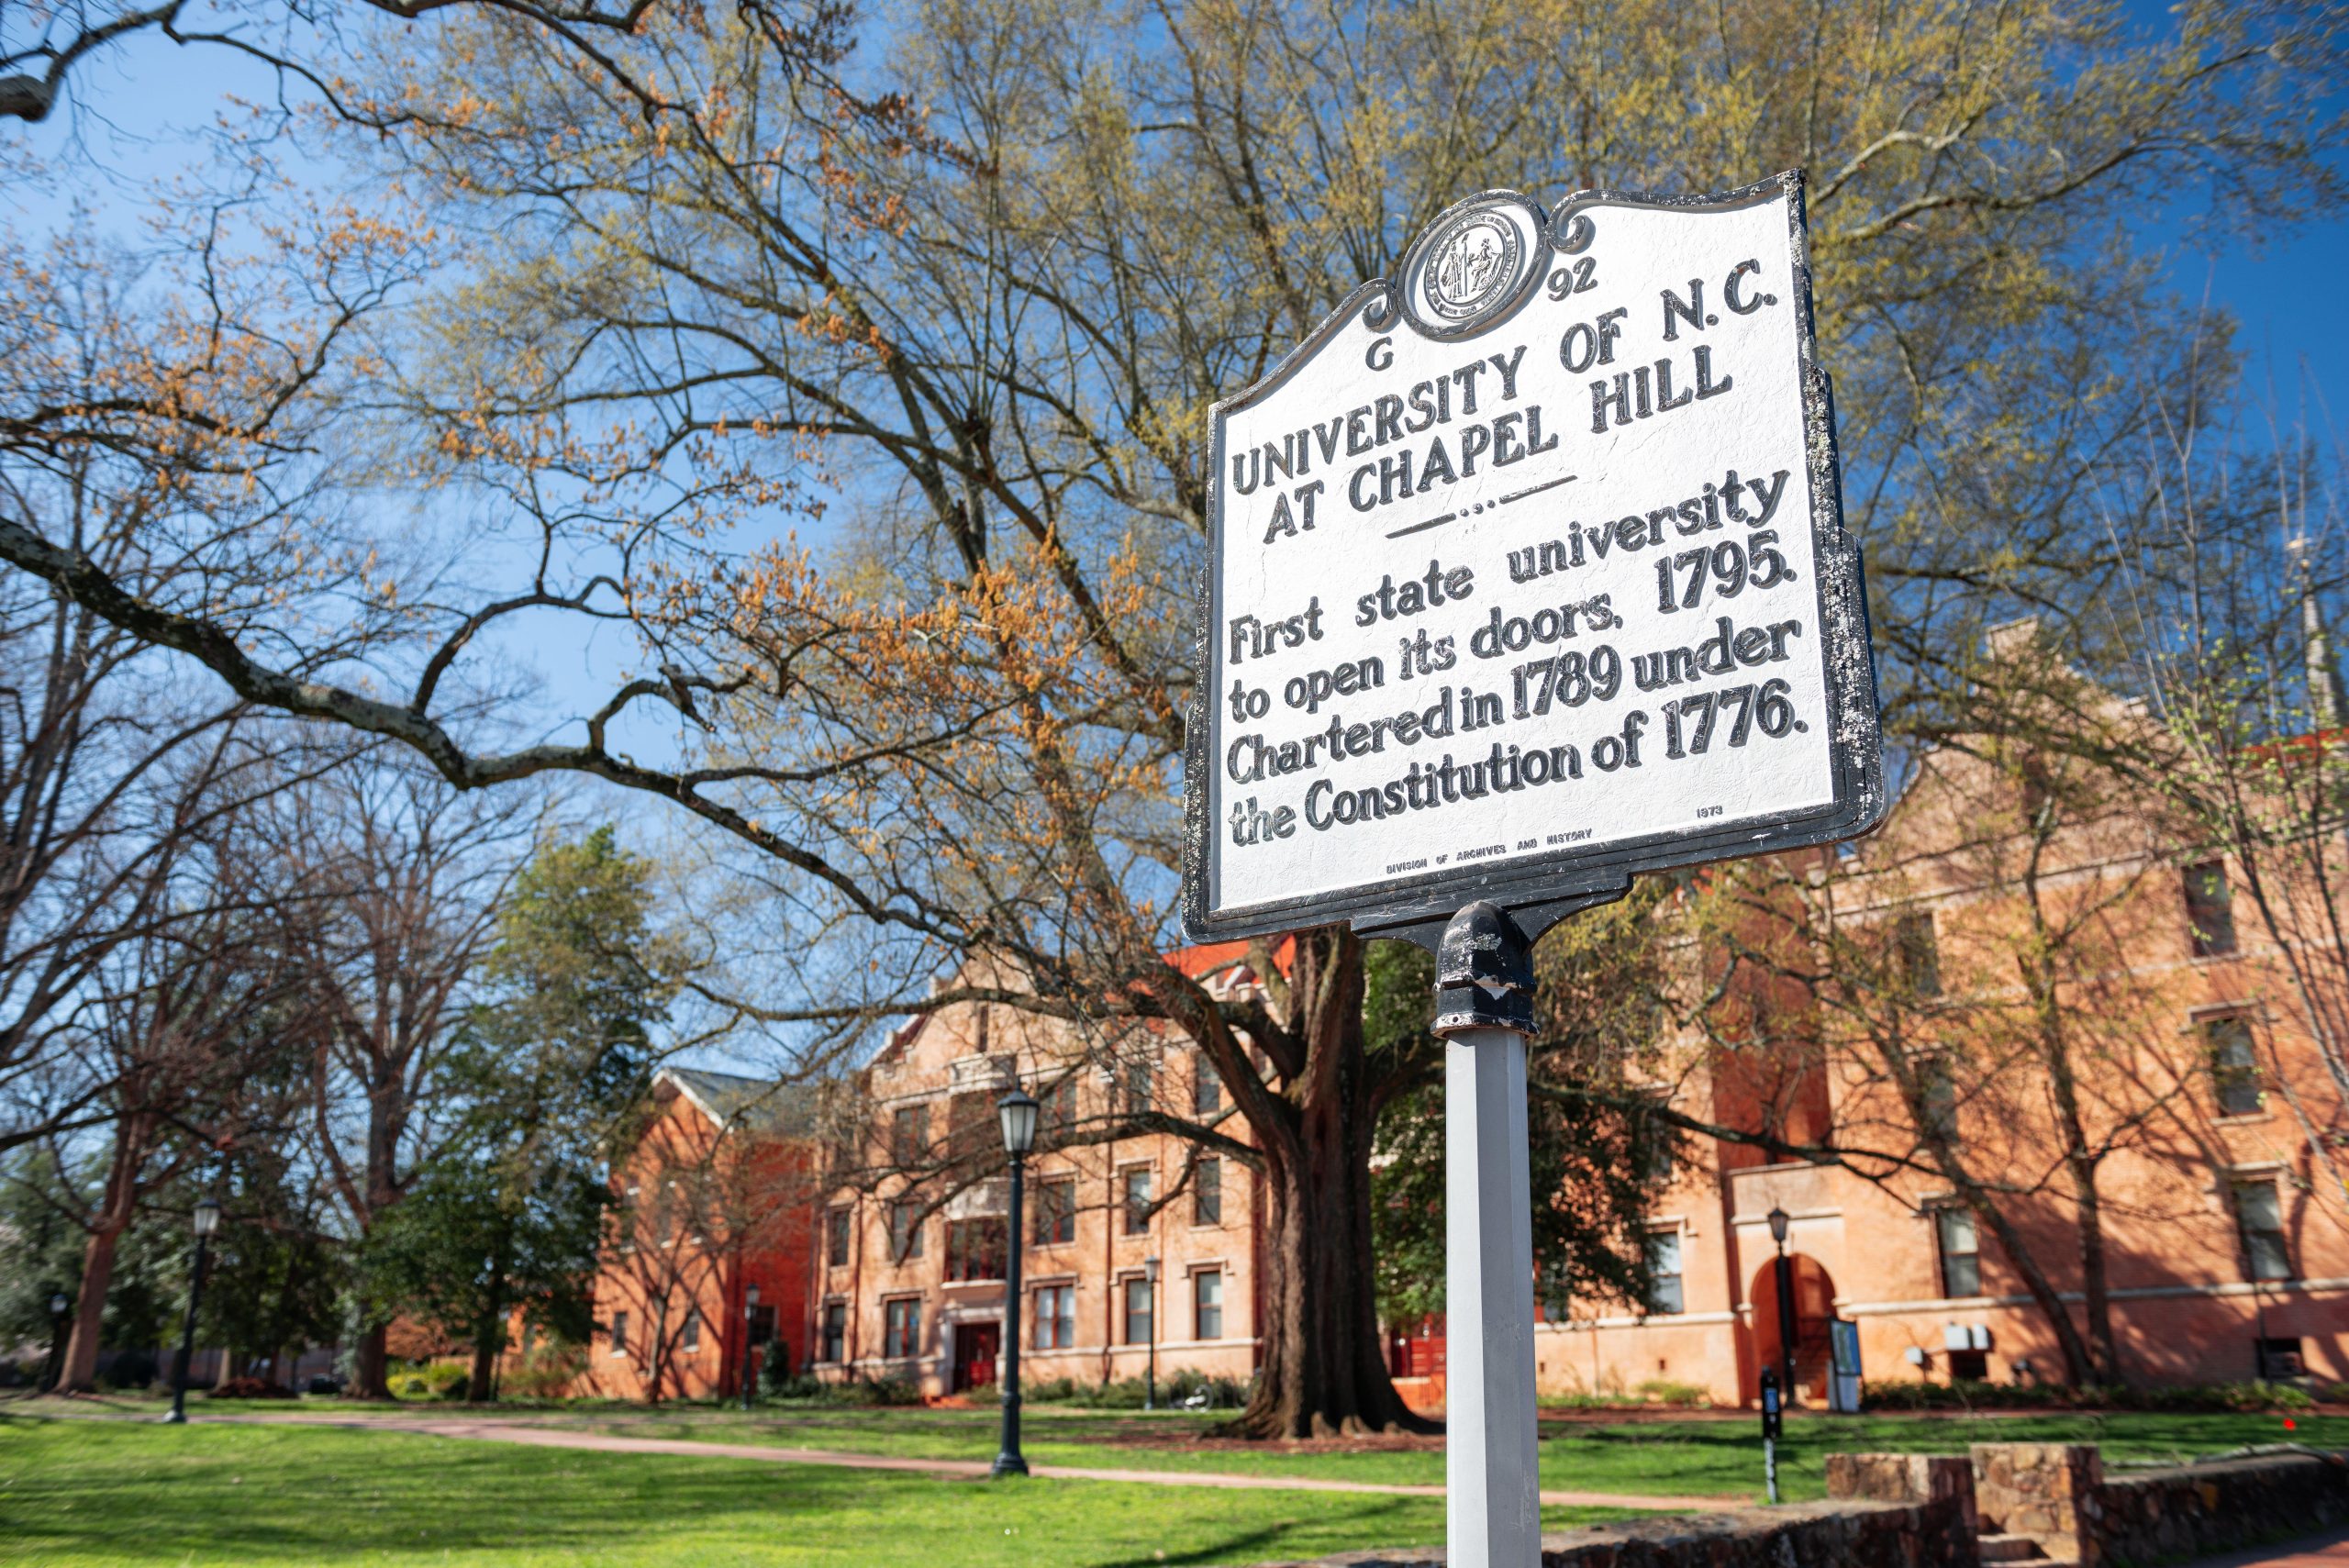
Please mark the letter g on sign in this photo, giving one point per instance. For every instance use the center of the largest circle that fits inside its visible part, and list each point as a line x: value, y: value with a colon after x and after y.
x: 1381, y: 355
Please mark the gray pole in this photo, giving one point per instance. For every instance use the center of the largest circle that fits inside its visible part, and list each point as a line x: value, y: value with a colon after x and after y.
x: 1485, y: 1011
x: 1010, y: 1461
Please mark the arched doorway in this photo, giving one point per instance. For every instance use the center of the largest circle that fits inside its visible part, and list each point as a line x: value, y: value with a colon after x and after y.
x: 1814, y: 1293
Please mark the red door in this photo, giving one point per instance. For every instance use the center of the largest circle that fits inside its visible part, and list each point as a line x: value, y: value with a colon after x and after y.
x: 976, y: 1347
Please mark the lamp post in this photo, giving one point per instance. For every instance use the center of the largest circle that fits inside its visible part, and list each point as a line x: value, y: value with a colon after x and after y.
x: 1017, y: 1111
x: 749, y: 1311
x: 1149, y: 1388
x: 1778, y: 1221
x: 207, y: 1219
x: 58, y: 1303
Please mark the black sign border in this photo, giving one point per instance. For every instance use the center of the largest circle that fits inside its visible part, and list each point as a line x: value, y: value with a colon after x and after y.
x: 1547, y: 885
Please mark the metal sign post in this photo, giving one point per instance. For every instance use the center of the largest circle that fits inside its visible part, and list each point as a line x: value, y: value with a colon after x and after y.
x: 1527, y: 575
x: 1485, y: 1011
x: 1772, y: 1427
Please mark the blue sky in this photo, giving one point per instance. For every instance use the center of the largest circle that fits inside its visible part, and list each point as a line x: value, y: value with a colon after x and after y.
x: 139, y: 110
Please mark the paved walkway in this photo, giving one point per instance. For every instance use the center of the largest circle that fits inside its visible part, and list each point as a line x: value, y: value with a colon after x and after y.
x: 2330, y: 1550
x: 533, y: 1436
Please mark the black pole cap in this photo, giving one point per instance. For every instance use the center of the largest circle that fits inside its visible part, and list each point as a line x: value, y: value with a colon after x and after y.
x: 1484, y: 973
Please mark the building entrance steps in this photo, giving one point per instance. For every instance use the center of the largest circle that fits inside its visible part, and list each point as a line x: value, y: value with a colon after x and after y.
x: 481, y: 1430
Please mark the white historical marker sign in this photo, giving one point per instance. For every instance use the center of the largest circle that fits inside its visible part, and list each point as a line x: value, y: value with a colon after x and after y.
x: 1528, y: 574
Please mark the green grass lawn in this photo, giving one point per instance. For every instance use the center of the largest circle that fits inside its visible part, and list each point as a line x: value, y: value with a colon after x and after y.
x: 83, y: 1492
x: 1711, y: 1458
x: 1659, y: 1456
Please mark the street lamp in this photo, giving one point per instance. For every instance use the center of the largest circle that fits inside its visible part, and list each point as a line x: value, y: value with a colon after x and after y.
x: 1149, y: 1388
x: 1017, y: 1111
x: 750, y: 1310
x: 207, y: 1219
x: 1778, y: 1222
x: 57, y: 1305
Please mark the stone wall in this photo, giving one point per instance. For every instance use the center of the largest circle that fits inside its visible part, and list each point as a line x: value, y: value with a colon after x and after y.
x: 2058, y: 1496
x: 2165, y: 1515
x: 2044, y: 1491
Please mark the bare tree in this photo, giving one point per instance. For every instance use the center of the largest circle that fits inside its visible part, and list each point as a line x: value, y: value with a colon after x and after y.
x: 395, y: 883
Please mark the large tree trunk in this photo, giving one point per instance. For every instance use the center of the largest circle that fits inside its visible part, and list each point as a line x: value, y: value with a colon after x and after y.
x: 115, y: 1209
x: 370, y: 1366
x: 1324, y: 1368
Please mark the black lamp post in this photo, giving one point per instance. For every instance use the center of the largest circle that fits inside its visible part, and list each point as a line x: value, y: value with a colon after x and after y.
x: 207, y: 1219
x: 749, y: 1311
x: 1017, y: 1110
x: 1778, y: 1221
x: 58, y: 1303
x: 1149, y: 1388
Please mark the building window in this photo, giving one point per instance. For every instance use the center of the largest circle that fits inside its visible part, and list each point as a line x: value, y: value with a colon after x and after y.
x: 1138, y: 1306
x: 901, y: 1327
x: 835, y: 1331
x: 974, y: 1250
x: 1059, y: 1113
x: 619, y: 1333
x: 2235, y: 1070
x: 2279, y: 1358
x: 1136, y: 1086
x: 1138, y: 1187
x: 836, y: 1222
x: 909, y: 1135
x: 1921, y: 954
x: 1664, y: 1272
x: 1938, y: 1092
x: 1206, y: 1085
x: 1207, y: 1192
x: 905, y: 1230
x: 1056, y: 1317
x: 1961, y: 1252
x: 1207, y: 1304
x: 2209, y: 909
x: 689, y: 1333
x: 2259, y: 1216
x: 1055, y: 1214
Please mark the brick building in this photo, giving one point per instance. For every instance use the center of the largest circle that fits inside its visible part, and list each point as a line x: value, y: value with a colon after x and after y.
x: 2216, y: 1124
x: 718, y: 1198
x: 911, y: 1285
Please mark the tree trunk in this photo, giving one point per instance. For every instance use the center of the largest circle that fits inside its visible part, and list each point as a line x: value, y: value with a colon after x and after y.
x: 80, y: 1374
x: 1324, y: 1370
x: 371, y: 1367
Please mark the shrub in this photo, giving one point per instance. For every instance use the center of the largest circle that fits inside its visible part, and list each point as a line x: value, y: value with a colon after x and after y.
x: 1188, y: 1389
x: 878, y: 1391
x: 546, y: 1371
x: 1679, y: 1395
x: 801, y: 1386
x: 248, y: 1388
x: 1054, y: 1391
x: 2334, y: 1394
x: 429, y: 1380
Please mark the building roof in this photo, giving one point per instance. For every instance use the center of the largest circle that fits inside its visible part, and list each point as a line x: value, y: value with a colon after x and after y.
x: 768, y: 1105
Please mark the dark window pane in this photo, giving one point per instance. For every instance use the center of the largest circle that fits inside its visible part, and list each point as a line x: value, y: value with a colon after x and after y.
x: 1137, y: 1205
x: 2234, y: 1068
x: 2260, y: 1216
x: 2209, y: 909
x: 1207, y: 1086
x: 1664, y: 1267
x: 1206, y: 1192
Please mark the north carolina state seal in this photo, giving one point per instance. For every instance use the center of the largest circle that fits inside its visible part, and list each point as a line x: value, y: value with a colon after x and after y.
x: 1473, y: 262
